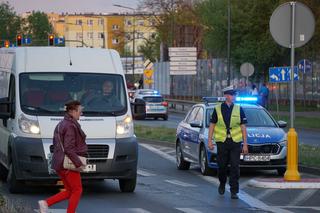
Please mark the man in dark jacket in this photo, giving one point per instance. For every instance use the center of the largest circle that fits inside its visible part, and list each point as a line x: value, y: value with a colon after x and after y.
x: 68, y: 134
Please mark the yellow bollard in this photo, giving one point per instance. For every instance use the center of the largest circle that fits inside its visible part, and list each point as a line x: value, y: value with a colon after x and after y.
x: 292, y: 173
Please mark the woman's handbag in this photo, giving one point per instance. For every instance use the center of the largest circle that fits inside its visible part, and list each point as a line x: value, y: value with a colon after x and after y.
x: 67, y: 163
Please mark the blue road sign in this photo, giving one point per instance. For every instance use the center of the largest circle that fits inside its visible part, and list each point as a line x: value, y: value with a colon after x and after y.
x: 304, y: 66
x: 59, y: 40
x: 26, y: 41
x: 282, y: 74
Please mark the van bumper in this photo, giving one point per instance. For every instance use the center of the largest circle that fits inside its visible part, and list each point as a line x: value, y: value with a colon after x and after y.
x: 30, y: 163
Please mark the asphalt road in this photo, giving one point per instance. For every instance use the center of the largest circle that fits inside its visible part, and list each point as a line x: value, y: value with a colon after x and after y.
x: 305, y: 136
x: 163, y: 188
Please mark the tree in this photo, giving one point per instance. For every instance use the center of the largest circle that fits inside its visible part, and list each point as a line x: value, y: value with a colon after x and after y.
x: 10, y: 23
x: 38, y: 27
x: 151, y: 49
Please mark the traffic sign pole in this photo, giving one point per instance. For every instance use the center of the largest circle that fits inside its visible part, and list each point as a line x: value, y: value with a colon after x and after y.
x: 292, y: 173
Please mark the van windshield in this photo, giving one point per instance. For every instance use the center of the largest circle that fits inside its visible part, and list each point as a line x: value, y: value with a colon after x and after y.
x: 46, y: 93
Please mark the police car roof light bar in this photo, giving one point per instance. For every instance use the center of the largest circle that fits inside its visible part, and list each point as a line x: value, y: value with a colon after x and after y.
x: 208, y: 100
x: 247, y: 99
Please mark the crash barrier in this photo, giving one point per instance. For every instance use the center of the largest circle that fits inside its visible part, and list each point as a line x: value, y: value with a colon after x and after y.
x: 180, y: 105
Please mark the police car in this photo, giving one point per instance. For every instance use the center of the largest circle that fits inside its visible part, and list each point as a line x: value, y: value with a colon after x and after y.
x: 155, y: 105
x: 267, y: 140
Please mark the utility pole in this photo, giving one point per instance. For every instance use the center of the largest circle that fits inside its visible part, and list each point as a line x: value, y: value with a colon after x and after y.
x: 229, y: 36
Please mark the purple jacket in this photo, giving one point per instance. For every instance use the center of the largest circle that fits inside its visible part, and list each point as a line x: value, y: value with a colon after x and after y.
x: 73, y: 140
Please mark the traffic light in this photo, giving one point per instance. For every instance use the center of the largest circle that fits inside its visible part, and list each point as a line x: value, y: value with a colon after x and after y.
x: 19, y: 40
x: 51, y: 40
x: 6, y: 43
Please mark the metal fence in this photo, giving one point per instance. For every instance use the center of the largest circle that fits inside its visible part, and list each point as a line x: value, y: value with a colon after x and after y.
x: 212, y: 77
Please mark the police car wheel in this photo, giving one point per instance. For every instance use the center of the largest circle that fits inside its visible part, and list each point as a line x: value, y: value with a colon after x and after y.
x: 181, y: 163
x: 205, y: 170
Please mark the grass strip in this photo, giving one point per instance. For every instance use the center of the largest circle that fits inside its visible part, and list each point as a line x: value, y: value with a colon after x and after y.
x: 301, y: 122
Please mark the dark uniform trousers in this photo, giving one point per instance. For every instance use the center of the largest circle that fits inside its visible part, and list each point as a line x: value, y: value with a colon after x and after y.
x: 229, y: 152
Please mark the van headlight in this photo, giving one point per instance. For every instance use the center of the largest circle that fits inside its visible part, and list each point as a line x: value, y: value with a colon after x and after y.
x: 124, y: 127
x: 27, y: 125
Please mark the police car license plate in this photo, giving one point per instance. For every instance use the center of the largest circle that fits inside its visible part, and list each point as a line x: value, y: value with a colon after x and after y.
x: 90, y: 168
x: 260, y: 158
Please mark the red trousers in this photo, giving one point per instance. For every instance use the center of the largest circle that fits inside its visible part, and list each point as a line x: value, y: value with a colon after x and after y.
x: 72, y: 183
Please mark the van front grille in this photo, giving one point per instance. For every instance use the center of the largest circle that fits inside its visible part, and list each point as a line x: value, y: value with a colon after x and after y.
x: 94, y: 151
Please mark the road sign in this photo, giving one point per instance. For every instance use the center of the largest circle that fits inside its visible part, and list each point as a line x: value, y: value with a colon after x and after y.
x: 26, y: 41
x: 282, y: 74
x: 304, y: 66
x: 59, y: 40
x: 280, y: 24
x: 183, y: 60
x: 246, y: 69
x: 148, y: 65
x: 148, y: 73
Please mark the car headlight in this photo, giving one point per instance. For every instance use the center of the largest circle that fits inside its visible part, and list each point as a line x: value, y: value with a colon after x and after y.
x: 283, y: 143
x: 124, y: 127
x: 27, y: 125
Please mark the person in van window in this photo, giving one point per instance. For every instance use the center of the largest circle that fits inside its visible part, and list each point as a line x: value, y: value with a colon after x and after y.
x: 68, y: 133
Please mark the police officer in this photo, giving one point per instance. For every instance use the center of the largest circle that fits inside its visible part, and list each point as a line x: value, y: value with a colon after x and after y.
x: 227, y: 125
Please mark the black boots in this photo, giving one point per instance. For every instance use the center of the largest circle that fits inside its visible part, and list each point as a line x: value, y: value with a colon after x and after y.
x: 221, y: 189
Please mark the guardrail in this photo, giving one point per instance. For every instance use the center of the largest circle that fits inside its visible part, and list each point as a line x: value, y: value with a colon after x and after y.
x: 180, y: 105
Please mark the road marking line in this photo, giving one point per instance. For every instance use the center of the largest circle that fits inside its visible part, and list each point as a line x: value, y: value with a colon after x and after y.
x: 317, y: 208
x: 266, y: 193
x: 53, y: 210
x: 188, y: 210
x: 162, y: 154
x: 170, y: 152
x: 180, y: 183
x: 251, y: 201
x: 304, y: 195
x: 145, y: 173
x: 137, y: 210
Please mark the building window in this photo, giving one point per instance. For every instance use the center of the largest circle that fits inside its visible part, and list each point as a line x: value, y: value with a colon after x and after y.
x: 128, y: 36
x: 153, y: 35
x: 141, y: 23
x: 78, y: 22
x: 115, y: 27
x: 78, y: 36
x: 152, y: 22
x: 140, y: 35
x: 100, y: 21
x: 90, y: 22
x: 115, y: 41
x: 128, y: 22
x: 100, y: 35
x: 90, y: 35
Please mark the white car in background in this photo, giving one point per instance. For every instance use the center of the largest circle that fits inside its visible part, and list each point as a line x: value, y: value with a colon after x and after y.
x: 156, y: 107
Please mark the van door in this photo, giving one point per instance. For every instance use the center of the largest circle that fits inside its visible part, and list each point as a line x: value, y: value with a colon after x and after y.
x: 5, y: 125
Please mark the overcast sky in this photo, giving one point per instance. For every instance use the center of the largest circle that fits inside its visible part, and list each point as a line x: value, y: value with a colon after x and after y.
x: 71, y: 6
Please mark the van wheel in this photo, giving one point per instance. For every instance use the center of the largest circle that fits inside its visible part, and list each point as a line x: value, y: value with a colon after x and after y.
x: 128, y: 185
x: 3, y: 173
x: 14, y: 185
x: 205, y: 169
x: 181, y: 163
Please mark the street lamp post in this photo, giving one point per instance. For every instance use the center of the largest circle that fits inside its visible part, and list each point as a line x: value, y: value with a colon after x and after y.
x: 133, y: 37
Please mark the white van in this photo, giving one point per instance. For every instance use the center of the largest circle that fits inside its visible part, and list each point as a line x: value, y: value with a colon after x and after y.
x: 35, y: 82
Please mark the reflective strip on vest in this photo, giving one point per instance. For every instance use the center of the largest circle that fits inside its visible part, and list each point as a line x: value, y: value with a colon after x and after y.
x: 220, y: 130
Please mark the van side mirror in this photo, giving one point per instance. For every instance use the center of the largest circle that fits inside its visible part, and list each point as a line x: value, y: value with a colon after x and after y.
x: 196, y: 124
x: 5, y: 108
x: 138, y: 109
x: 282, y: 124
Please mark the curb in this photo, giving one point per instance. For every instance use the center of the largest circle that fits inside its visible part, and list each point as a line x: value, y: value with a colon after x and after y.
x: 280, y: 183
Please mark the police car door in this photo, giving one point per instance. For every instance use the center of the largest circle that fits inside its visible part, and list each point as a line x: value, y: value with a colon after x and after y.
x: 195, y: 128
x: 185, y: 133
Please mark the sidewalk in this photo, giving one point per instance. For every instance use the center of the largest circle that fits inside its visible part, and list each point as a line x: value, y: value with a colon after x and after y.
x: 280, y: 183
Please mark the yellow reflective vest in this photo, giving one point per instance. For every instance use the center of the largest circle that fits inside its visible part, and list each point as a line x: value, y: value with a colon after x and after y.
x: 220, y: 130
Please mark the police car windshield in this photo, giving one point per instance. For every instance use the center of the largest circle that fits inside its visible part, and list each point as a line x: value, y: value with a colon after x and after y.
x: 46, y: 93
x: 256, y: 117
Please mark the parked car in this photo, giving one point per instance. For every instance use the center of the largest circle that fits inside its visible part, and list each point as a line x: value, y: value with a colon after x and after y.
x: 155, y: 105
x: 267, y: 141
